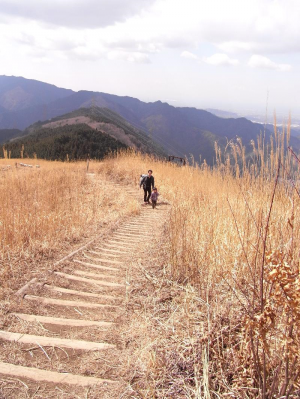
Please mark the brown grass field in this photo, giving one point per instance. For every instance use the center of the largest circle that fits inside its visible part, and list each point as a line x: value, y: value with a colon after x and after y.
x: 45, y: 212
x: 219, y: 296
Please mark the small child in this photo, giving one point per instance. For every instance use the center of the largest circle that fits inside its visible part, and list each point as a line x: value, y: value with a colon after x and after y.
x: 154, y: 196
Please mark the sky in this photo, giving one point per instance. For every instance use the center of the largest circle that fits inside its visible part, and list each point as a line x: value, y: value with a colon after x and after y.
x: 236, y: 55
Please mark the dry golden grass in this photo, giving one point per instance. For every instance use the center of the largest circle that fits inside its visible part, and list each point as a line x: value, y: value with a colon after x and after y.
x: 230, y: 325
x: 215, y: 308
x: 46, y: 211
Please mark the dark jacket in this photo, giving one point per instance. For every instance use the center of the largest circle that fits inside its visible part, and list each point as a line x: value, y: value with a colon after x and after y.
x: 148, y: 182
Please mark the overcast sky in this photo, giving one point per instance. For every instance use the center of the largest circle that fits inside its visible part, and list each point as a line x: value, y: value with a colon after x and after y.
x: 236, y: 55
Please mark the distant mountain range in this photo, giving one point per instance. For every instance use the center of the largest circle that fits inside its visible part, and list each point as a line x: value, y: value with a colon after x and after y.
x: 180, y: 131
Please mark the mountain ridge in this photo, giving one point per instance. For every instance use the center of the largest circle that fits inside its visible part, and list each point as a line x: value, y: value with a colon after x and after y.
x: 102, y: 126
x: 182, y: 131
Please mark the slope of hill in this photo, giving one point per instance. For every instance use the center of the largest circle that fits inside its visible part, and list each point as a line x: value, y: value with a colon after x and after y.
x: 17, y: 93
x: 180, y: 131
x: 106, y: 121
x: 66, y: 142
x: 95, y: 131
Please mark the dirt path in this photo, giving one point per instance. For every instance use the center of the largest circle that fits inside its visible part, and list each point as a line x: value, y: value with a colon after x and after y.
x: 62, y: 339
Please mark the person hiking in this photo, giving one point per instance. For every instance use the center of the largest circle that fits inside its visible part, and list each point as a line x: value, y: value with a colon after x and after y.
x: 154, y: 197
x: 147, y: 183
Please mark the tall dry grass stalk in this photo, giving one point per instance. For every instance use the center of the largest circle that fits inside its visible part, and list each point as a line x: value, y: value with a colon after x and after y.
x: 233, y: 239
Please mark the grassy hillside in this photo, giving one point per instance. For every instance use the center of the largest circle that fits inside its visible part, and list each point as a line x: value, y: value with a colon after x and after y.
x: 213, y: 309
x: 48, y: 210
x: 220, y: 298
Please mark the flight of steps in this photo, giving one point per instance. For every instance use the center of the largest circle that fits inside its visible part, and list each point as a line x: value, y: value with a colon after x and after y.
x: 65, y: 329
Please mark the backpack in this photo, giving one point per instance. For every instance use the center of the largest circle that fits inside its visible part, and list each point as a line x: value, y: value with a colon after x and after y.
x: 142, y: 180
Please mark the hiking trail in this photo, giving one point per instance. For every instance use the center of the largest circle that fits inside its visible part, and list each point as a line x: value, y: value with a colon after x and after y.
x: 62, y: 340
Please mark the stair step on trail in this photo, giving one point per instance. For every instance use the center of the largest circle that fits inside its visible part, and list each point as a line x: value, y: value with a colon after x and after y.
x: 88, y: 280
x: 113, y: 269
x: 129, y: 235
x: 54, y: 377
x: 109, y: 252
x: 61, y: 321
x: 137, y: 225
x: 136, y: 230
x: 128, y: 245
x: 64, y: 302
x: 92, y: 257
x: 78, y: 293
x: 113, y: 246
x: 96, y: 275
x: 53, y: 341
x: 130, y: 239
x: 113, y: 262
x: 103, y: 266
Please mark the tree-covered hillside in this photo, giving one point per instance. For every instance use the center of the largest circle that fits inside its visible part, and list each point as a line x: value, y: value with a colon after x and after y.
x: 107, y: 121
x: 73, y: 142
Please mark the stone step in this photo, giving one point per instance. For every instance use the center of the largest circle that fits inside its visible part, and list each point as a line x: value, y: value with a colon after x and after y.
x: 91, y: 256
x: 78, y: 293
x: 64, y: 302
x: 153, y: 215
x: 143, y: 225
x: 104, y: 260
x: 126, y: 243
x: 100, y: 267
x: 53, y: 341
x: 137, y: 226
x: 137, y: 230
x: 131, y: 239
x: 87, y: 280
x: 114, y: 247
x: 62, y: 322
x: 54, y: 377
x: 109, y: 252
x: 140, y: 233
x: 85, y: 273
x: 127, y: 234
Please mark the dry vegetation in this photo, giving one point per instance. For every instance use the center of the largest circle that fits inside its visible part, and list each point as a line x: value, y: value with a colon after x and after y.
x: 215, y: 306
x: 47, y: 212
x: 223, y: 317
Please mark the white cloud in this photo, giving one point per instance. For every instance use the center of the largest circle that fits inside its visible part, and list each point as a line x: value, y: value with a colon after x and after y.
x: 135, y: 57
x: 220, y: 59
x: 133, y: 45
x: 188, y: 55
x: 259, y: 61
x: 84, y: 54
x: 73, y: 13
x: 93, y: 40
x: 151, y: 26
x: 236, y: 46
